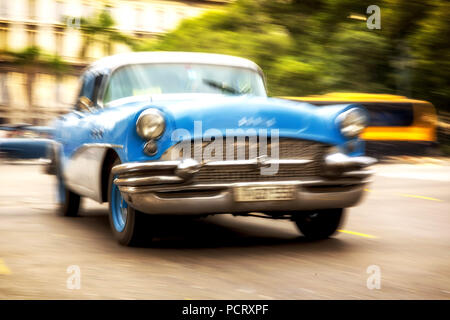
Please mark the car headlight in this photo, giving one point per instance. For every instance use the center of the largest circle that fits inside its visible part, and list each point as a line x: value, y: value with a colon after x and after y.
x: 150, y: 124
x: 352, y: 122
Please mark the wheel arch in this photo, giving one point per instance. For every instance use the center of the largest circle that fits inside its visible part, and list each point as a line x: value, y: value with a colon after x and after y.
x: 110, y: 156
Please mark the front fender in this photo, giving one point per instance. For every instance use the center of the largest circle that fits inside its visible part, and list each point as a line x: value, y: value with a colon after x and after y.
x: 83, y: 171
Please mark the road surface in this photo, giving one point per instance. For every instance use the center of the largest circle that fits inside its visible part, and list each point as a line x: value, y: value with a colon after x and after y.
x: 394, y: 245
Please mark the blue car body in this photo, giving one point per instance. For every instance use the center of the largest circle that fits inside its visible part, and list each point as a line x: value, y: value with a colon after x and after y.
x: 99, y: 152
x: 294, y: 120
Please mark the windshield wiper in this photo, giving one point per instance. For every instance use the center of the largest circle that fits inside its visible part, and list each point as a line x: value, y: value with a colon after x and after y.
x: 223, y: 87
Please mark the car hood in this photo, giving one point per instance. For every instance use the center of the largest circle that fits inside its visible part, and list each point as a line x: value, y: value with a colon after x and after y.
x: 200, y: 113
x: 197, y: 114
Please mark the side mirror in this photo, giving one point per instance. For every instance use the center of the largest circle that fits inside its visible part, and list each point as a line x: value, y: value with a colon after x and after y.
x: 85, y: 104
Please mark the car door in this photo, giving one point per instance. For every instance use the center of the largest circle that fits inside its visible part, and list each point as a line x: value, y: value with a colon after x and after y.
x: 79, y: 131
x: 75, y: 127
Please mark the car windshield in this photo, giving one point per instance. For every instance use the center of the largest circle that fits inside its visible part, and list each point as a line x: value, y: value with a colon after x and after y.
x: 141, y: 79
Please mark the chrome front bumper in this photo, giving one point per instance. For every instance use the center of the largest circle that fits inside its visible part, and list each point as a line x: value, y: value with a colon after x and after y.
x: 167, y: 187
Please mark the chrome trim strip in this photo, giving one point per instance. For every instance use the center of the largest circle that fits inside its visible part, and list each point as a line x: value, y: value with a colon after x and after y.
x: 254, y: 162
x: 288, y: 161
x: 219, y: 186
x: 130, y: 167
x: 174, y: 164
x: 340, y: 160
x: 135, y: 176
x: 140, y: 181
x: 95, y: 145
x: 359, y: 174
x: 153, y: 202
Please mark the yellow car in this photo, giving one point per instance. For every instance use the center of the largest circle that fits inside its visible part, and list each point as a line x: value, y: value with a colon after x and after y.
x: 397, y: 124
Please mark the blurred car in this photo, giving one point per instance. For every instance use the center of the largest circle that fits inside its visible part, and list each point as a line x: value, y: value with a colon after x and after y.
x: 168, y: 133
x: 397, y: 124
x: 23, y: 148
x: 24, y: 141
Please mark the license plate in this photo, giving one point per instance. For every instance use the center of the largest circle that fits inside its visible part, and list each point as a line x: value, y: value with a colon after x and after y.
x: 264, y: 193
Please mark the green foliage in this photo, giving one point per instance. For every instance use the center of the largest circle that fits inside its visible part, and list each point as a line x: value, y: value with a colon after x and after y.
x: 100, y: 28
x: 430, y: 57
x: 312, y: 46
x: 287, y: 72
x: 55, y: 63
x: 34, y: 55
x: 25, y: 56
x: 357, y: 61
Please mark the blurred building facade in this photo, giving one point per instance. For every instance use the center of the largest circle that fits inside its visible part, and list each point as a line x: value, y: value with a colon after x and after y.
x: 36, y: 93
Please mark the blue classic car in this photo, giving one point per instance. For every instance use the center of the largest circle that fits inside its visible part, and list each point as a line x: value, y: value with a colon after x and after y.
x: 171, y: 133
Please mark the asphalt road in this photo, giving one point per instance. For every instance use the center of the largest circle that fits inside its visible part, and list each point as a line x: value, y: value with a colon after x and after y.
x: 401, y: 227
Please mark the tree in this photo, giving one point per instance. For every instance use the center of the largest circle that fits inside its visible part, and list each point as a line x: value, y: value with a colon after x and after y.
x: 31, y: 59
x: 100, y: 28
x: 314, y: 46
x: 430, y: 56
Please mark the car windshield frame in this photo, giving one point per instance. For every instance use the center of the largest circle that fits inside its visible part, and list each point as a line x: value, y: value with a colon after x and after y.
x: 226, y: 89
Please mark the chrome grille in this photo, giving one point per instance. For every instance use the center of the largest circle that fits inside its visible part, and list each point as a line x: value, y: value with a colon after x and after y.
x: 287, y: 149
x: 237, y: 174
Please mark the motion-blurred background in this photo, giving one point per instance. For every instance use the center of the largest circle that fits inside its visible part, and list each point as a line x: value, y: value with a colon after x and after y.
x: 305, y: 47
x: 320, y: 51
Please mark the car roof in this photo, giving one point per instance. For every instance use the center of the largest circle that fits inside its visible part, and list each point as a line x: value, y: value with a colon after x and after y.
x: 113, y: 62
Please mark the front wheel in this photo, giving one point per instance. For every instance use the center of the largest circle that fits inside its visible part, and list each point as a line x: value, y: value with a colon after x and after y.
x: 319, y: 224
x: 129, y: 226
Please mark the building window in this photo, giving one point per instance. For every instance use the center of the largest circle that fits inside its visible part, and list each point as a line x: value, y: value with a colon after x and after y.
x: 4, y: 36
x: 59, y: 40
x: 4, y: 8
x: 31, y: 34
x: 4, y: 95
x: 59, y: 11
x: 140, y: 18
x: 32, y: 9
x: 160, y: 18
x: 87, y: 10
